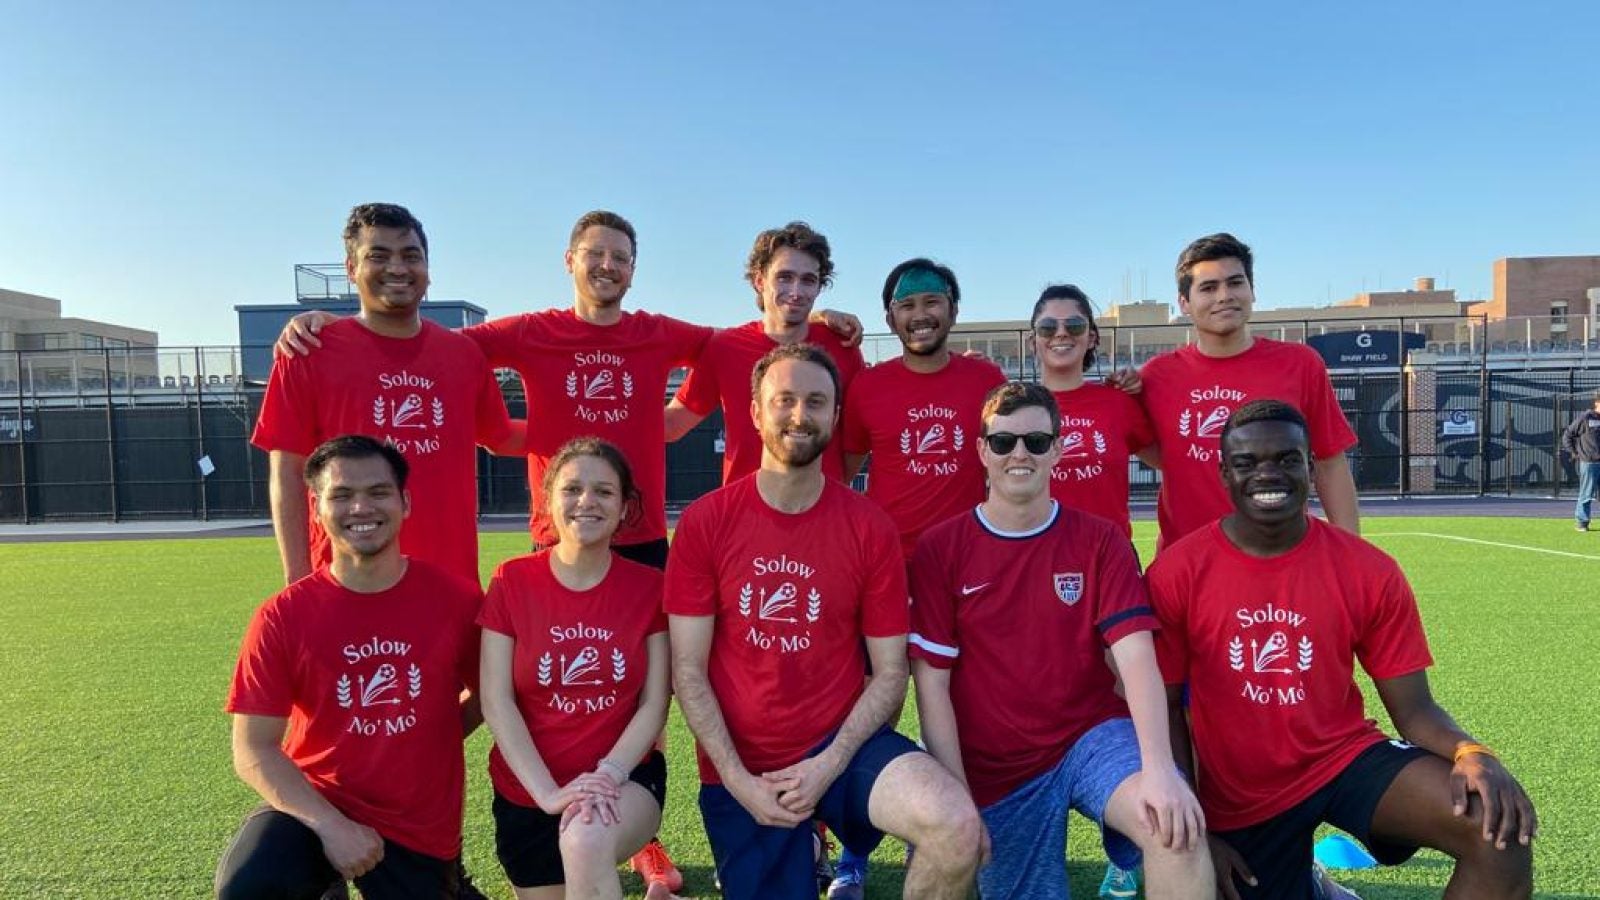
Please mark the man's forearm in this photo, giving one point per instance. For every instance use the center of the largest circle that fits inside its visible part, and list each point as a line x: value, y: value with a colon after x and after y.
x: 704, y: 717
x: 1336, y: 488
x: 283, y: 786
x: 936, y: 717
x: 1147, y: 699
x: 885, y: 696
x: 290, y: 515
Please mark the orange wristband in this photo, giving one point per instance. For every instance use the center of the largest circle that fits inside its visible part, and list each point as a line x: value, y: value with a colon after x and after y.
x: 1468, y: 749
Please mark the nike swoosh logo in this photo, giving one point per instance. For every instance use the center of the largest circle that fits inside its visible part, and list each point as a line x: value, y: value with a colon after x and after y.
x: 969, y: 591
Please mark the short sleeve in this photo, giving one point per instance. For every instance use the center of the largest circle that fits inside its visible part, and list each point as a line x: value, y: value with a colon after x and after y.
x: 933, y: 608
x: 1172, y: 648
x: 498, y: 339
x: 495, y: 614
x: 1390, y: 640
x: 700, y: 393
x: 691, y: 581
x: 885, y: 607
x: 262, y: 680
x: 1140, y: 433
x: 1330, y: 430
x: 1124, y: 601
x: 288, y: 417
x: 493, y: 422
x: 856, y: 437
x: 686, y: 341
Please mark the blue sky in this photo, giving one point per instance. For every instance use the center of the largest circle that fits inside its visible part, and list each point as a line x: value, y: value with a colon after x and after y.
x: 160, y: 163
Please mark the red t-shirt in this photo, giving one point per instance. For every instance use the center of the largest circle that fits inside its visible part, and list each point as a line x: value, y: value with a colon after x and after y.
x: 1023, y: 621
x: 922, y: 432
x: 722, y: 378
x: 1268, y: 649
x: 580, y: 661
x: 1100, y: 428
x: 606, y: 381
x: 370, y: 684
x: 793, y: 596
x: 1190, y: 396
x: 433, y: 397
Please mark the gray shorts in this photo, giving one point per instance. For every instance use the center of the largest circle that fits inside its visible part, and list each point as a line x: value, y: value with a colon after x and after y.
x: 1028, y: 827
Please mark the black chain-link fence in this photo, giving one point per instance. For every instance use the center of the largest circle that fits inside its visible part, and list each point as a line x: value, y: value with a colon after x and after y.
x: 115, y: 435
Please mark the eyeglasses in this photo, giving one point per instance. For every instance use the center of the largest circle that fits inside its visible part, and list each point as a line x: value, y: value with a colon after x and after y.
x: 1003, y: 442
x: 595, y: 257
x: 1047, y: 327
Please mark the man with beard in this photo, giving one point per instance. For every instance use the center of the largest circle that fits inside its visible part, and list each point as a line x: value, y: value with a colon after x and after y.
x: 917, y: 415
x: 781, y: 587
x: 1264, y: 615
x: 788, y: 267
x: 347, y: 717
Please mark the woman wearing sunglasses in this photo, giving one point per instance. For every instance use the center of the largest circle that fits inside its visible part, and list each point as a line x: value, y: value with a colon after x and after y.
x: 1100, y: 424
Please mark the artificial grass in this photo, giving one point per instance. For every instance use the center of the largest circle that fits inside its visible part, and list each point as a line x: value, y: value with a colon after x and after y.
x: 115, y: 779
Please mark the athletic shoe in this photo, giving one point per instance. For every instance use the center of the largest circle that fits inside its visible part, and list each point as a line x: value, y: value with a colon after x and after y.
x: 849, y: 880
x: 1583, y: 526
x: 1119, y: 884
x: 1323, y: 887
x: 653, y: 864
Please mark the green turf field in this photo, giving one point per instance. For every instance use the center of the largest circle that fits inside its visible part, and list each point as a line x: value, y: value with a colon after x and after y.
x: 115, y: 778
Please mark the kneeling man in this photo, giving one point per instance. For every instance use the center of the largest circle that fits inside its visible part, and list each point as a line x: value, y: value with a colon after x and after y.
x: 346, y: 702
x: 1014, y: 604
x: 1264, y: 615
x: 781, y: 587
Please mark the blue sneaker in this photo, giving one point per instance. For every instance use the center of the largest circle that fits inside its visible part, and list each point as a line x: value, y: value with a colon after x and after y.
x: 1119, y: 884
x: 849, y: 878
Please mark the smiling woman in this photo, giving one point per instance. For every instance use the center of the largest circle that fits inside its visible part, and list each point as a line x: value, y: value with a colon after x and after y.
x: 574, y: 687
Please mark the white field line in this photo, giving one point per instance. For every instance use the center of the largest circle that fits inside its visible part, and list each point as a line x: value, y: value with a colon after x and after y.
x: 1467, y: 540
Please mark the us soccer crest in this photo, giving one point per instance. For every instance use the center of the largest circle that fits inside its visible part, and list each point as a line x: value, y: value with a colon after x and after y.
x: 1069, y: 587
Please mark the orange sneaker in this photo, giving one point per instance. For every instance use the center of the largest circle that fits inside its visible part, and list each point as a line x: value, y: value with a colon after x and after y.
x: 654, y: 865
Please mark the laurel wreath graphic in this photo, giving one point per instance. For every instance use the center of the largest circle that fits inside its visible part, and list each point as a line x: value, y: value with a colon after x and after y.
x: 1099, y: 443
x: 342, y: 691
x: 745, y: 594
x: 1305, y: 653
x: 377, y: 411
x: 627, y: 384
x: 961, y: 438
x: 572, y: 385
x: 905, y: 442
x: 619, y: 666
x: 545, y: 673
x: 438, y: 412
x: 1236, y: 654
x: 414, y: 681
x: 1184, y: 421
x: 813, y: 606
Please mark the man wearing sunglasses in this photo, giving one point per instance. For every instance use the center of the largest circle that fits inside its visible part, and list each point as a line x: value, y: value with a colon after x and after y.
x: 917, y: 414
x: 1014, y: 604
x: 1190, y: 392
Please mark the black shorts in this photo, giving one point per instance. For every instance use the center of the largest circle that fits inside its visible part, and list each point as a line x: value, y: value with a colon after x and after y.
x: 528, y: 840
x: 649, y: 553
x: 1279, y: 850
x: 275, y: 855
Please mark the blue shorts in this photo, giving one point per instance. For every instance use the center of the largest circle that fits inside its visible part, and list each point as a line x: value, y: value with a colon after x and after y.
x: 1028, y: 827
x: 773, y: 863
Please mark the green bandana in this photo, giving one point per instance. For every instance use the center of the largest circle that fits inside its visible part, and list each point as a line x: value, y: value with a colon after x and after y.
x: 920, y: 281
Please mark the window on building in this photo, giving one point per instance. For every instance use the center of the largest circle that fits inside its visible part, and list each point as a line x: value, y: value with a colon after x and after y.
x: 47, y: 340
x: 93, y: 342
x: 117, y: 343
